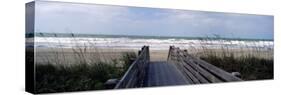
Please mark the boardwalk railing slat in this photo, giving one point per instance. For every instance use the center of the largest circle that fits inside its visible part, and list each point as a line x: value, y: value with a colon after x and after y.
x: 201, y: 70
x: 198, y: 67
x: 189, y: 75
x: 215, y: 70
x: 196, y: 78
x: 135, y: 75
x: 187, y: 67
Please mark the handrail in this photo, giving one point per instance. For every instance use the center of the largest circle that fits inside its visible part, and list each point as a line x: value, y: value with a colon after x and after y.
x: 135, y: 74
x: 197, y: 70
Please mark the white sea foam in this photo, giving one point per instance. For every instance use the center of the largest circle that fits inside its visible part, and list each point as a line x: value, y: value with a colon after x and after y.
x: 136, y: 43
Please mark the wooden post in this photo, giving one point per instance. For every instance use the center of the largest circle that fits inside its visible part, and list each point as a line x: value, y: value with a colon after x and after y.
x: 185, y: 52
x: 139, y: 52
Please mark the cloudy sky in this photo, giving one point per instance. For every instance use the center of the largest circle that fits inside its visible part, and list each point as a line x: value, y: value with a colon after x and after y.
x: 53, y: 17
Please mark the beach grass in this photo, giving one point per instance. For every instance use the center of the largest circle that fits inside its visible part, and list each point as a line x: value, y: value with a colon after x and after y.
x: 78, y: 77
x: 253, y: 63
x: 250, y: 67
x: 89, y: 71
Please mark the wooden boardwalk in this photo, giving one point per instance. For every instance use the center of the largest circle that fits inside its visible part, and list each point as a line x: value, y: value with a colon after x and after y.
x: 180, y: 68
x: 163, y: 74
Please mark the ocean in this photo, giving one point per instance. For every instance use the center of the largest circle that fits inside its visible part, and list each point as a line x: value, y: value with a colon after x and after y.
x: 136, y: 42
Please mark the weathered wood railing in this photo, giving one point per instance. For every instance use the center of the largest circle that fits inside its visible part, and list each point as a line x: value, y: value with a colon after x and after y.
x: 134, y: 77
x: 196, y: 70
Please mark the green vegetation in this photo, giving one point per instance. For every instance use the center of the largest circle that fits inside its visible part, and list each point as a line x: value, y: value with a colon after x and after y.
x: 253, y: 63
x: 251, y: 68
x: 78, y: 77
x: 78, y: 68
x: 128, y: 59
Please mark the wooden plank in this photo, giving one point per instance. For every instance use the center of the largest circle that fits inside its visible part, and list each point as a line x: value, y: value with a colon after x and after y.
x: 205, y: 73
x: 194, y: 72
x: 191, y: 76
x: 195, y: 68
x: 131, y: 81
x: 164, y: 74
x: 215, y: 70
x: 187, y: 74
x: 212, y: 73
x: 202, y: 71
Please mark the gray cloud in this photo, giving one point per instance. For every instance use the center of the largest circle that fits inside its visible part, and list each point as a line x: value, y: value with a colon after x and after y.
x: 100, y: 19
